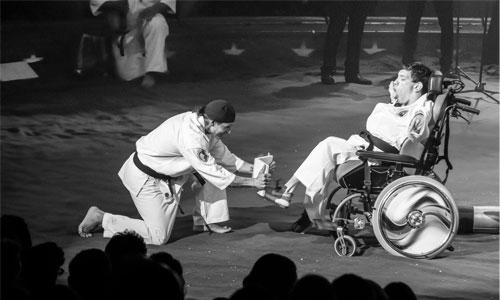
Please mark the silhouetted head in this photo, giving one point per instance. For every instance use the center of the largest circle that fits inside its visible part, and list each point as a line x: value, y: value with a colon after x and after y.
x: 377, y: 290
x: 42, y: 265
x: 169, y: 261
x: 90, y: 273
x: 312, y: 287
x: 16, y: 229
x: 251, y: 292
x: 124, y: 244
x: 351, y: 287
x: 11, y: 261
x: 399, y: 290
x: 143, y: 278
x: 275, y: 273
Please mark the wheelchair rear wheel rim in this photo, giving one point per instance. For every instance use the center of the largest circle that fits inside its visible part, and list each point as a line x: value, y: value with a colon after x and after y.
x: 416, y: 217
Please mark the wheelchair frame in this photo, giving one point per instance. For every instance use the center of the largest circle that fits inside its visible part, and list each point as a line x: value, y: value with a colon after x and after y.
x: 383, y: 184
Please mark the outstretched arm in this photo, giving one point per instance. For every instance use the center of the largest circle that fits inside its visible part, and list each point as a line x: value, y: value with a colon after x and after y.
x: 262, y: 181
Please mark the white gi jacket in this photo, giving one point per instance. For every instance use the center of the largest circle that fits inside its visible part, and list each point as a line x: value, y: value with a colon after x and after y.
x: 139, y: 40
x: 177, y: 148
x: 387, y: 122
x: 180, y: 146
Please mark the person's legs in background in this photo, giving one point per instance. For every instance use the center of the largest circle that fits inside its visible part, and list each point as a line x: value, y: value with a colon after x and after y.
x: 490, y: 46
x: 413, y: 16
x: 155, y: 32
x: 444, y: 11
x: 358, y: 12
x: 337, y: 19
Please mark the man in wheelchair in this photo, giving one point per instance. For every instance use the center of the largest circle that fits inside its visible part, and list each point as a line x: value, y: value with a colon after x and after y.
x: 406, y: 207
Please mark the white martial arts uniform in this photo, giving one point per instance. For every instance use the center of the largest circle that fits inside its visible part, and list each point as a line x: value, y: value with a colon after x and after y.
x: 176, y: 148
x: 387, y: 122
x: 143, y: 46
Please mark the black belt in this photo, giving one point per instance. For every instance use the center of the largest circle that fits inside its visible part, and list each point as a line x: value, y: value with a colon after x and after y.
x: 375, y: 141
x: 147, y: 170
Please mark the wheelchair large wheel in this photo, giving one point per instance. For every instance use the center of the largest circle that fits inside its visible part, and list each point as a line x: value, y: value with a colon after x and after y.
x: 416, y: 217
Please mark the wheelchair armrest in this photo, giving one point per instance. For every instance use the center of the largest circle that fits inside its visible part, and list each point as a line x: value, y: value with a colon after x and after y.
x: 404, y: 160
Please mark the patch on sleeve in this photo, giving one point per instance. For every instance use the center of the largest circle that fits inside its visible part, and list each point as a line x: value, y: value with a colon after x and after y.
x: 202, y: 155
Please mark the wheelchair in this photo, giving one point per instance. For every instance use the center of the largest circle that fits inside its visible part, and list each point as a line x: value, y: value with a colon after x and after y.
x: 406, y: 203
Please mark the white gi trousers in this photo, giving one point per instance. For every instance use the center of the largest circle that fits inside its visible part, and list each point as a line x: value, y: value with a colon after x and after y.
x: 144, y: 49
x: 157, y: 203
x: 317, y: 171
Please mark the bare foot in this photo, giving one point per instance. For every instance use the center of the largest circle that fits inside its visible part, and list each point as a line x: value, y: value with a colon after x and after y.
x: 148, y: 81
x: 91, y: 223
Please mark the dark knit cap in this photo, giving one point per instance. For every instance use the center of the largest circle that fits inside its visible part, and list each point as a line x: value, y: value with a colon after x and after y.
x: 220, y: 111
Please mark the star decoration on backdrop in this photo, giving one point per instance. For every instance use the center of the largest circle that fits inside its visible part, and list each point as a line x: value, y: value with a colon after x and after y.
x: 234, y: 50
x: 303, y: 50
x: 374, y: 49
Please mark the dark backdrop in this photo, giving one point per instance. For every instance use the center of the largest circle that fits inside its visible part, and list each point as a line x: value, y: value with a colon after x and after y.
x: 47, y: 10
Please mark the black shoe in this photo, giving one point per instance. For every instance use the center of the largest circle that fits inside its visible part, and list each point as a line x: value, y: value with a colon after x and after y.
x: 356, y: 78
x: 327, y: 78
x: 327, y: 75
x: 302, y: 224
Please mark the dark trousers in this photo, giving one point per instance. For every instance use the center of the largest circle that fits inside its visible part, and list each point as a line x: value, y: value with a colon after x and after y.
x: 338, y: 12
x: 490, y: 46
x: 444, y: 11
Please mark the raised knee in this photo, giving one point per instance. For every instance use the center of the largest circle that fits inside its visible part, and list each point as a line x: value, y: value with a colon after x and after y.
x: 330, y: 139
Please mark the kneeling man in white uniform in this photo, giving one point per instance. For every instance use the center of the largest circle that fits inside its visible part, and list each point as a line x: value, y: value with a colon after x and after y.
x: 185, y: 146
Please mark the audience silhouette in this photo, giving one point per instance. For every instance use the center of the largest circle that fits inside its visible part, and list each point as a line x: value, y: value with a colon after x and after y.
x: 123, y: 270
x: 123, y: 245
x: 90, y: 268
x: 167, y: 260
x: 399, y: 290
x: 40, y: 269
x: 352, y: 287
x: 274, y: 273
x: 312, y: 287
x: 12, y: 287
x: 15, y: 228
x: 250, y: 292
x: 144, y: 278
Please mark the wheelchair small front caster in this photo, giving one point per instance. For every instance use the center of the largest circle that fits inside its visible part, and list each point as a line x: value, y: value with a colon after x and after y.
x: 345, y: 245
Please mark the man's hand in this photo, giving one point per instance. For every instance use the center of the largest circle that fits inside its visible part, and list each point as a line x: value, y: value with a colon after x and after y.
x: 272, y: 167
x: 262, y: 181
x: 416, y: 127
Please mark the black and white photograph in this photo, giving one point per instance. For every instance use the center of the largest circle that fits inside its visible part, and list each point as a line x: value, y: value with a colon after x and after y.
x: 250, y: 149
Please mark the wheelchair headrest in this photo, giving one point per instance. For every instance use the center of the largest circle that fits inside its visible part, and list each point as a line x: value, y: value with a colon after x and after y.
x: 435, y: 85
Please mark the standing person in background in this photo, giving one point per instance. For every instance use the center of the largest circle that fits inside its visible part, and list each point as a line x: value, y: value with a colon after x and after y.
x: 185, y: 146
x: 338, y: 12
x: 444, y: 11
x: 140, y: 30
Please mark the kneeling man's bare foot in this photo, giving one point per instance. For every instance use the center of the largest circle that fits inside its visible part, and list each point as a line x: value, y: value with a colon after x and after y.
x: 91, y: 223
